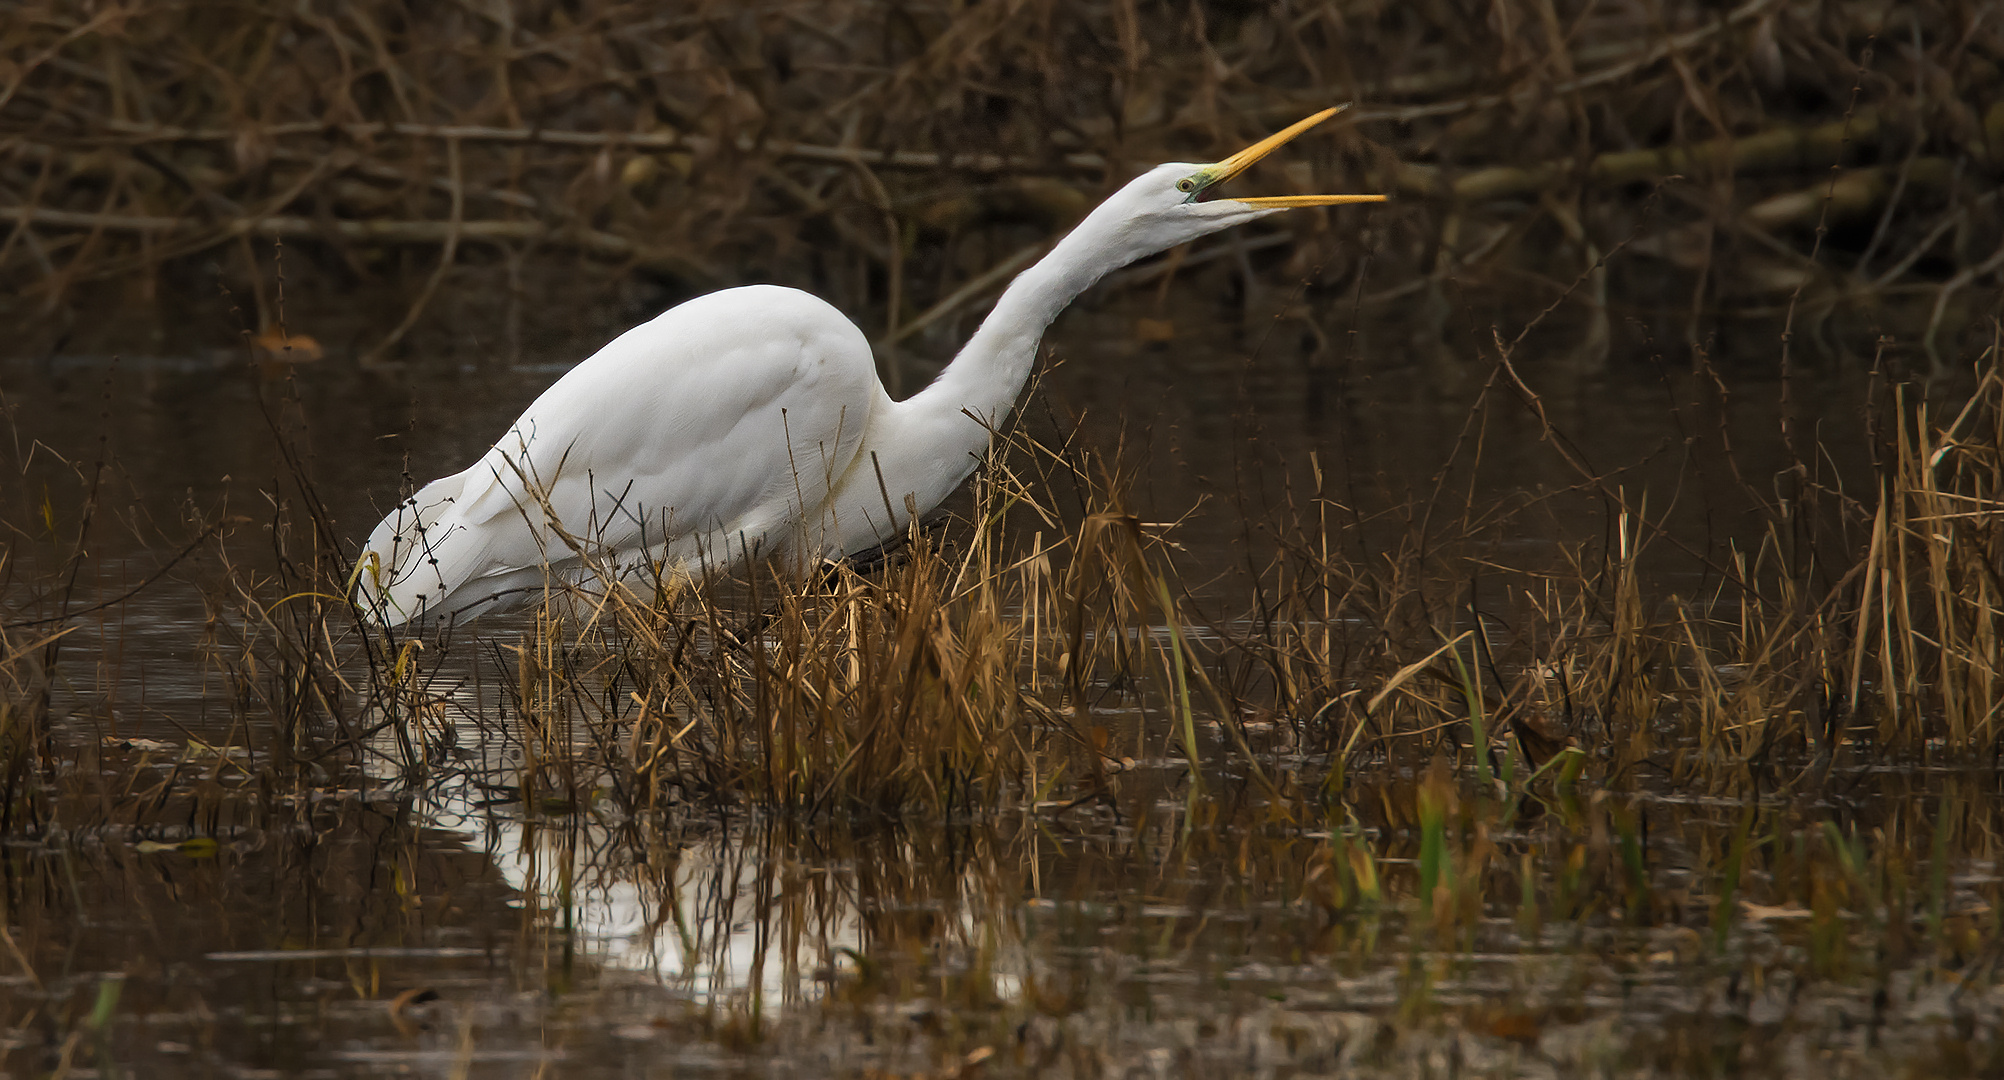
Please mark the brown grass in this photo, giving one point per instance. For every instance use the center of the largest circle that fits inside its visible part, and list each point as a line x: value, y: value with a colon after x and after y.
x: 1412, y: 745
x: 1031, y: 655
x: 1028, y: 657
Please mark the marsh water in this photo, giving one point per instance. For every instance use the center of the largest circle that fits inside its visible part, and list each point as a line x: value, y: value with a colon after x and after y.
x: 446, y: 929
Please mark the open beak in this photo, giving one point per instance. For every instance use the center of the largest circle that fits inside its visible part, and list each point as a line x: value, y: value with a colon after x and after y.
x: 1243, y: 160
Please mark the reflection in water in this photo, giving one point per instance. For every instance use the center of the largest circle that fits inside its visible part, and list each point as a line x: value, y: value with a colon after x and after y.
x: 1137, y: 935
x: 750, y: 914
x: 1224, y: 943
x: 712, y: 917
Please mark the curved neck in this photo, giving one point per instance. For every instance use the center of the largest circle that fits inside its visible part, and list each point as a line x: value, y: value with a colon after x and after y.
x: 990, y: 370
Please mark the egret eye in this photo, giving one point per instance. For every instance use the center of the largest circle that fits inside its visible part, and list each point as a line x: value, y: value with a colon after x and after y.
x: 1186, y: 185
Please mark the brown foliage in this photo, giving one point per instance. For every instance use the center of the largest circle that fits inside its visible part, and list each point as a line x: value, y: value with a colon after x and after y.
x: 886, y: 154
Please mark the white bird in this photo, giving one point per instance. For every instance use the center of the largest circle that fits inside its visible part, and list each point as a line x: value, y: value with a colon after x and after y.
x: 750, y: 423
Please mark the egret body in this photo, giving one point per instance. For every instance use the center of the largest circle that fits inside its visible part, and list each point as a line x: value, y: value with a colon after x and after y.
x: 750, y: 423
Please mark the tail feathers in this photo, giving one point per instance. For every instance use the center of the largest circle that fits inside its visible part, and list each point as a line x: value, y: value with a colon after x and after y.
x: 423, y: 555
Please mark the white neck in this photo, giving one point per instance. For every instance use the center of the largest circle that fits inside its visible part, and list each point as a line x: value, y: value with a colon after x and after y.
x: 989, y: 372
x: 927, y: 444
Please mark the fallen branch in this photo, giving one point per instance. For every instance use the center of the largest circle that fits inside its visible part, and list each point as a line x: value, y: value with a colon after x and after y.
x: 658, y: 141
x: 592, y: 241
x: 1851, y: 194
x: 1781, y: 148
x: 904, y: 159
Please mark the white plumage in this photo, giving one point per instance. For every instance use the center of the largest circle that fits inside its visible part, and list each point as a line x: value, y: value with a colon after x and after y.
x: 688, y: 437
x: 750, y: 423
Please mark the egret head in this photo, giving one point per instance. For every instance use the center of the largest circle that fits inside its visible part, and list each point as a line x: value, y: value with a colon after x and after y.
x: 1181, y: 201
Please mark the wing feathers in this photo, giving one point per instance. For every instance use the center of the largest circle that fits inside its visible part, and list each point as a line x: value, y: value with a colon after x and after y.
x: 723, y: 421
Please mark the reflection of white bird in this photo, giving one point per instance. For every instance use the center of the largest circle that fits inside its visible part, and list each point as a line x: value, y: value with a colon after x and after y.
x: 751, y: 422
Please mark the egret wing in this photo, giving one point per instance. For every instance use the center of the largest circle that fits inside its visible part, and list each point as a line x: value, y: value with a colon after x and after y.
x: 715, y: 428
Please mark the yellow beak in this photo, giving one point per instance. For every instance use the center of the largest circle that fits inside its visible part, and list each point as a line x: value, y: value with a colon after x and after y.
x: 1243, y: 160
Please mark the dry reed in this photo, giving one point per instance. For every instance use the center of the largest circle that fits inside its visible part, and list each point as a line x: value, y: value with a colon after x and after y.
x: 1414, y: 772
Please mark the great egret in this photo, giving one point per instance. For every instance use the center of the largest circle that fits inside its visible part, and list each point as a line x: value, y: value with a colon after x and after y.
x: 750, y: 422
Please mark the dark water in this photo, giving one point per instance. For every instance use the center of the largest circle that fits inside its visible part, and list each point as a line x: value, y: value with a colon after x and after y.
x: 1233, y: 420
x: 1141, y: 936
x: 1066, y: 944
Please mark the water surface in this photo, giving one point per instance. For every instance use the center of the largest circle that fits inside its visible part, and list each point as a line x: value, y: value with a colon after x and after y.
x: 380, y: 926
